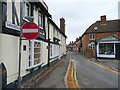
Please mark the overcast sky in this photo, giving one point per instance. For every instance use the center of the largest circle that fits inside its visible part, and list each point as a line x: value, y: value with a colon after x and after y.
x: 80, y: 14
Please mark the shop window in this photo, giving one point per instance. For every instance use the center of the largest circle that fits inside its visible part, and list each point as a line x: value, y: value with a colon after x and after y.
x: 92, y: 36
x: 106, y: 48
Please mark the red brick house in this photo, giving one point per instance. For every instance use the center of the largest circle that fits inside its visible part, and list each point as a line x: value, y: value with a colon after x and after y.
x: 106, y: 33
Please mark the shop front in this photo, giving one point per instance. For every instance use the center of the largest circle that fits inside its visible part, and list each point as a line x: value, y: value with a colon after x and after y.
x: 108, y: 47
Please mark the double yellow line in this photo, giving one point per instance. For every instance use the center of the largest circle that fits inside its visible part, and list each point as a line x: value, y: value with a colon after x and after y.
x: 71, y: 76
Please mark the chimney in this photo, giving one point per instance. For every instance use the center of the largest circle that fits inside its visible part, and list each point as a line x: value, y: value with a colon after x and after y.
x: 62, y: 25
x: 103, y: 20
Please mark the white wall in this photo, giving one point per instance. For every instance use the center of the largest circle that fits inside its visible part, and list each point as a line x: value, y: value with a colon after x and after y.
x: 55, y: 33
x: 9, y: 55
x: 9, y: 12
x: 36, y: 16
x: 9, y: 47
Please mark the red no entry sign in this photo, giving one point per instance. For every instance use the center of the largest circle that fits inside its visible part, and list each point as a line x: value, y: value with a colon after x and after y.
x: 30, y: 30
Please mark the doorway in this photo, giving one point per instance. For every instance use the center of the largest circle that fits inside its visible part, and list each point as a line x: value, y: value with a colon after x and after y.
x: 117, y: 45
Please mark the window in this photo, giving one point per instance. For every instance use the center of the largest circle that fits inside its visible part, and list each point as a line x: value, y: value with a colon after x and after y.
x: 92, y: 36
x: 41, y: 25
x: 34, y: 53
x: 106, y: 48
x: 27, y: 9
x: 37, y: 48
x: 40, y: 20
x: 4, y: 12
x: 30, y: 54
x: 50, y: 50
x: 91, y: 45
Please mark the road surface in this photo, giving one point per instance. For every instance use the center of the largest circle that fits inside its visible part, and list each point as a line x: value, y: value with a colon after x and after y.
x: 90, y: 75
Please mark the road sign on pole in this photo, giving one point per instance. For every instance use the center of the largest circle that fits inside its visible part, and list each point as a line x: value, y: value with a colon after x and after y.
x: 30, y: 30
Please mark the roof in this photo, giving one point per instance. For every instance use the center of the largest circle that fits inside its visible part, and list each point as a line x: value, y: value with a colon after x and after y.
x: 111, y: 37
x: 111, y: 26
x: 43, y: 6
x: 57, y: 27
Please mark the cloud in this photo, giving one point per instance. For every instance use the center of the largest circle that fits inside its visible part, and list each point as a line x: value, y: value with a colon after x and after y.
x: 80, y: 14
x: 80, y: 1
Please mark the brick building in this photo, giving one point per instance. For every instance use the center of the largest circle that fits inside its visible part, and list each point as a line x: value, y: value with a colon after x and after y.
x: 103, y: 38
x: 75, y: 46
x: 70, y: 46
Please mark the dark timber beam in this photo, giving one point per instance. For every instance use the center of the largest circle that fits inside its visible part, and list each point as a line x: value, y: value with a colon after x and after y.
x: 0, y: 17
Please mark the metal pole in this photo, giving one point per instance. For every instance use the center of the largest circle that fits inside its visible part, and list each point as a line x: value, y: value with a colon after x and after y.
x: 95, y: 47
x: 48, y: 52
x: 48, y: 47
x: 19, y: 68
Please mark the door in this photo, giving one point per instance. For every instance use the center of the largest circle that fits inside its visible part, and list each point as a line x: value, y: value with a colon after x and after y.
x: 3, y: 76
x: 117, y: 45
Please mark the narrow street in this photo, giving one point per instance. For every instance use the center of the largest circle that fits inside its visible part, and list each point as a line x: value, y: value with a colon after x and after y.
x: 55, y: 78
x: 90, y: 75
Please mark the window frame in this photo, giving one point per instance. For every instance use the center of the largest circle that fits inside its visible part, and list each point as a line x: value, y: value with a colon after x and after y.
x: 108, y: 48
x: 4, y: 12
x: 92, y: 46
x: 27, y: 13
x: 92, y: 36
x: 31, y: 54
x: 40, y: 20
x: 51, y: 53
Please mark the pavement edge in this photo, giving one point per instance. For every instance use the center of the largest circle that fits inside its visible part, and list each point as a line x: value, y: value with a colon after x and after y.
x: 105, y: 66
x: 70, y: 76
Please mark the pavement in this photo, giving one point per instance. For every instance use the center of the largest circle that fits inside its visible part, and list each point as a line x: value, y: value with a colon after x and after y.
x: 112, y: 63
x: 52, y: 77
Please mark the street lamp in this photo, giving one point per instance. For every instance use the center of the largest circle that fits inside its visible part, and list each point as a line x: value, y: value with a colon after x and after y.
x: 95, y: 28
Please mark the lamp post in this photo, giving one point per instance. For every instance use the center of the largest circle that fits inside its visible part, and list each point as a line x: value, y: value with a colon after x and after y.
x: 95, y: 28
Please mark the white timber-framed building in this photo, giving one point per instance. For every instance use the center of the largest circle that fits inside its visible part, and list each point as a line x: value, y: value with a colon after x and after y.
x: 49, y: 46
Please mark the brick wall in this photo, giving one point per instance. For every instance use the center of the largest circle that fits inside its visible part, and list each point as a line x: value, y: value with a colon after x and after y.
x: 86, y: 40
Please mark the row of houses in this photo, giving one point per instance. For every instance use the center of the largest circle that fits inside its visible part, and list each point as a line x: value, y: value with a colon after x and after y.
x: 101, y: 40
x: 50, y: 45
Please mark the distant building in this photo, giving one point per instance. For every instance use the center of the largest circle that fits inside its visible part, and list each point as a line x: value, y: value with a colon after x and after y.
x: 105, y: 34
x: 75, y: 46
x: 70, y: 46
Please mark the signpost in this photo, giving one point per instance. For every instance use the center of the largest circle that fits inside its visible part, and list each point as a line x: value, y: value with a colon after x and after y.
x: 30, y: 30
